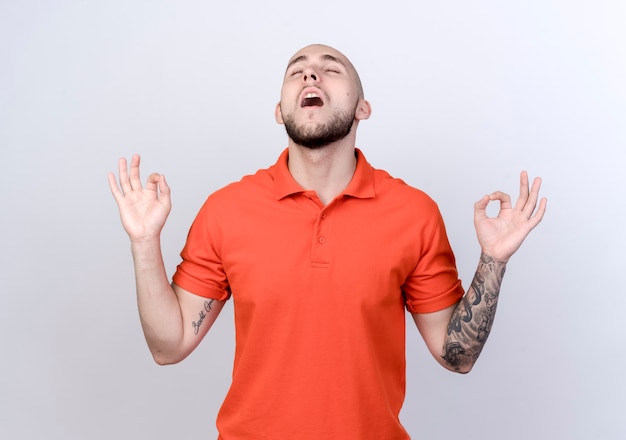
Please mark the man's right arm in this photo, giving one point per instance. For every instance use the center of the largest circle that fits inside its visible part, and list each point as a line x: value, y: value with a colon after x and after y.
x: 174, y: 320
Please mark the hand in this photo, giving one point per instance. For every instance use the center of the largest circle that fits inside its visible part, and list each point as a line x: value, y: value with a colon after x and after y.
x: 501, y: 236
x: 143, y: 210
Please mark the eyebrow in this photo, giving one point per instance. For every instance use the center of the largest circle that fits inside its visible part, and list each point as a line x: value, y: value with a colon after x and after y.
x: 326, y: 57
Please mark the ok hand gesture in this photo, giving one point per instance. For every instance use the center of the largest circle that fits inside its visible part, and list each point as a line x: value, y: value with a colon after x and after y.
x: 143, y: 210
x: 502, y: 235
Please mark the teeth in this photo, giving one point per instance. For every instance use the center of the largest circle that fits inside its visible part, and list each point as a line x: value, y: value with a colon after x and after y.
x: 311, y: 95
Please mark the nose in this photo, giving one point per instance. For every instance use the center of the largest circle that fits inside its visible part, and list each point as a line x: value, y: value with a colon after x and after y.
x: 309, y: 75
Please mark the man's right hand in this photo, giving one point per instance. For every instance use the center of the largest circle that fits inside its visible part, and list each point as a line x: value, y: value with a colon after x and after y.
x: 143, y: 210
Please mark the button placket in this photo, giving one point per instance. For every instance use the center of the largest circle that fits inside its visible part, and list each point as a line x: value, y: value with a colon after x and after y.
x: 320, y: 252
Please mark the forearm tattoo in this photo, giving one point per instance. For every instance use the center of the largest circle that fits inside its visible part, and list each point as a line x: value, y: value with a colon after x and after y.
x: 208, y: 305
x: 473, y: 317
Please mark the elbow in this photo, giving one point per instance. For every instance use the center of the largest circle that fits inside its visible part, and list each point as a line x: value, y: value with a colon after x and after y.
x: 461, y: 369
x: 162, y: 359
x: 464, y: 369
x: 457, y: 367
x: 167, y: 352
x: 458, y: 359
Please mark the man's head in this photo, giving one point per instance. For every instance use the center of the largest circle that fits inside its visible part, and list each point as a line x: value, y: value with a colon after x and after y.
x: 321, y: 98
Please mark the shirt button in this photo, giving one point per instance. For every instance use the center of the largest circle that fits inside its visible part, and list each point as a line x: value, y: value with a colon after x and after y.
x: 323, y: 215
x: 322, y: 240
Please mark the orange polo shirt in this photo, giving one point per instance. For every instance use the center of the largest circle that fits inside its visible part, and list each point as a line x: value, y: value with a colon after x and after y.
x: 319, y: 296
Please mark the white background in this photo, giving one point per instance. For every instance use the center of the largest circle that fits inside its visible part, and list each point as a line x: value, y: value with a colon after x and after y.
x: 465, y: 95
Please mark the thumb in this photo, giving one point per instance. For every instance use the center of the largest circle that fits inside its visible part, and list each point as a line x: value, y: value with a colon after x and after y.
x: 480, y: 207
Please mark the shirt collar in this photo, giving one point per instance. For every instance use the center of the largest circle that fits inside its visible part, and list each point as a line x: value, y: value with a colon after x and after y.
x: 361, y: 186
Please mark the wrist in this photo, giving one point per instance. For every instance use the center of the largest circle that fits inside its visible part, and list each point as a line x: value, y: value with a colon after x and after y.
x: 491, y: 257
x: 146, y: 243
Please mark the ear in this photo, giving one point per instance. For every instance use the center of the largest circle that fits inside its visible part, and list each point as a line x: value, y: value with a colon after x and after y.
x: 278, y: 115
x: 363, y: 110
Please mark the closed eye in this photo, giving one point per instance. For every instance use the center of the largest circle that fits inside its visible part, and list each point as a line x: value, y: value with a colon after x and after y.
x: 333, y: 68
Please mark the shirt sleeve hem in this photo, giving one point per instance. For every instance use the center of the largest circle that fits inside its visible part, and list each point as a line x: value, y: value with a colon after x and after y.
x: 200, y: 289
x: 438, y: 303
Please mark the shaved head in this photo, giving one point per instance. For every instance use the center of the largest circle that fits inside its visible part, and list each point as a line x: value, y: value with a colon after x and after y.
x: 334, y: 54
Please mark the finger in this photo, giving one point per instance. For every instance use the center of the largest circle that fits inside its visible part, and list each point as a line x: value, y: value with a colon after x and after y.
x: 153, y: 181
x: 122, y: 168
x: 535, y: 219
x: 164, y: 193
x: 115, y: 189
x: 135, y: 180
x: 480, y: 208
x: 523, y: 191
x: 504, y: 198
x: 531, y: 203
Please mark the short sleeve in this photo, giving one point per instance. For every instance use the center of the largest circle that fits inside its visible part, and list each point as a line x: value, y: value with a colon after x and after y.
x: 201, y: 271
x: 434, y: 284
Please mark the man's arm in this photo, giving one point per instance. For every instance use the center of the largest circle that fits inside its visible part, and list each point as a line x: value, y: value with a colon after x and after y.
x: 456, y: 335
x: 468, y: 323
x: 174, y: 321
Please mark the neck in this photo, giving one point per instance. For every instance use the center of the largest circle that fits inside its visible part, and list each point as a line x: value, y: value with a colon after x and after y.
x: 327, y: 170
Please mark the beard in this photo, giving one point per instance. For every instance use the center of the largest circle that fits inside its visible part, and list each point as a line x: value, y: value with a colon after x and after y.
x: 337, y: 128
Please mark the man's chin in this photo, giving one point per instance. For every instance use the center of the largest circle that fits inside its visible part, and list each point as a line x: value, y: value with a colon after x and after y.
x: 311, y: 142
x: 315, y: 145
x: 315, y: 136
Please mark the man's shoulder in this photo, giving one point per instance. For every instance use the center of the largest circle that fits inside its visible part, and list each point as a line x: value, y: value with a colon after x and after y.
x: 249, y: 186
x: 396, y: 188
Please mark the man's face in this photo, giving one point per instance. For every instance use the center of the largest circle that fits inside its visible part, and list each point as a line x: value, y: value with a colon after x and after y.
x: 320, y: 97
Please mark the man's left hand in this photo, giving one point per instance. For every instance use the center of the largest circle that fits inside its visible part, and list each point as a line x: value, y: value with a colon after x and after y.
x: 502, y: 235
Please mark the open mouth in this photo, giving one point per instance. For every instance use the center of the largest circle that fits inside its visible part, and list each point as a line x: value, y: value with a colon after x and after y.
x: 311, y: 99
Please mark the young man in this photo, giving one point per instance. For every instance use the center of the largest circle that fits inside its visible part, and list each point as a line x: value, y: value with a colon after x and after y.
x: 321, y: 254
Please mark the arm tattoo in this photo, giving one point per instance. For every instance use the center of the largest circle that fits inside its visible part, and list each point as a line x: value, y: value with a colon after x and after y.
x: 472, y: 318
x: 208, y: 305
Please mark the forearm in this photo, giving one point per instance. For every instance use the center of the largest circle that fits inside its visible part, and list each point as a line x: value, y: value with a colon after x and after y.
x: 473, y: 317
x: 159, y: 309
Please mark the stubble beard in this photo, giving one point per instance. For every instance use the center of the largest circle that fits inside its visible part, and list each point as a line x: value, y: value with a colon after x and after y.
x: 321, y: 135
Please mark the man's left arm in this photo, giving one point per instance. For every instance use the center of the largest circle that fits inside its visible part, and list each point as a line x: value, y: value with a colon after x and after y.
x: 456, y: 335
